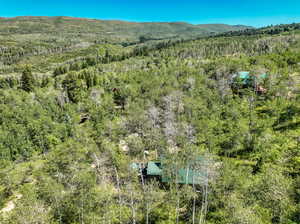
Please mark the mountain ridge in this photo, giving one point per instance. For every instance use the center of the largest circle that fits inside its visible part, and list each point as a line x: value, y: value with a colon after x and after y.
x: 35, y: 24
x: 121, y: 21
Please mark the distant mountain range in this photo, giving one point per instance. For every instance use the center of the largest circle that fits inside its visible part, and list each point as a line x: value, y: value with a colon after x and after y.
x: 108, y: 30
x: 30, y: 38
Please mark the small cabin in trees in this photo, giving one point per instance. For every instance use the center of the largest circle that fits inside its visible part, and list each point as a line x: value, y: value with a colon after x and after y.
x: 245, y: 79
x: 190, y: 174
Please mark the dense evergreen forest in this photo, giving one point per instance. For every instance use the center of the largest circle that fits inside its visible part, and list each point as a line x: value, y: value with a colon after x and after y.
x: 73, y: 120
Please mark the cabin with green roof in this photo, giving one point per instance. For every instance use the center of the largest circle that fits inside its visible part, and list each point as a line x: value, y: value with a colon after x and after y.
x: 244, y: 79
x: 166, y: 174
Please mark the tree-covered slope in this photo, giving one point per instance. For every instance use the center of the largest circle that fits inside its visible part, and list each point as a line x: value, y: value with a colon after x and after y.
x: 68, y: 136
x: 32, y: 39
x: 107, y: 29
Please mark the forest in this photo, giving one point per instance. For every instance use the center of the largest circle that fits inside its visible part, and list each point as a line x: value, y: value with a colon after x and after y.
x: 75, y: 116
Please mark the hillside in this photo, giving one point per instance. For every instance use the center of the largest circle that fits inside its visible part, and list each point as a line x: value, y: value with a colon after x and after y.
x: 75, y: 124
x: 92, y: 29
x: 269, y: 30
x: 33, y: 39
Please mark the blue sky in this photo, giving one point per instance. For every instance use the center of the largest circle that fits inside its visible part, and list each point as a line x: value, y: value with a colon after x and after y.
x: 248, y: 12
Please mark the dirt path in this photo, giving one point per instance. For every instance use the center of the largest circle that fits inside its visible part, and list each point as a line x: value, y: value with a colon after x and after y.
x: 10, y: 205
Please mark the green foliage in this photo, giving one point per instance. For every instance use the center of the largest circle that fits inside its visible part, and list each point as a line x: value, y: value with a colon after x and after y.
x: 74, y: 87
x: 27, y: 80
x: 66, y: 142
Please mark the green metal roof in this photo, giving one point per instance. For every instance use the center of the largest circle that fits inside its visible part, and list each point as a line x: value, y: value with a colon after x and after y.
x: 247, y: 79
x: 135, y: 166
x: 185, y: 176
x: 244, y: 75
x: 154, y: 169
x: 168, y: 174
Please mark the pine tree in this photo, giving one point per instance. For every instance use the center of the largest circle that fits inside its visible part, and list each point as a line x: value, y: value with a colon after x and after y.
x: 27, y: 80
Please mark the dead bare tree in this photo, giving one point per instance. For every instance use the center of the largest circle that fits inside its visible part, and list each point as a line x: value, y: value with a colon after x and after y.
x: 152, y: 198
x: 102, y: 167
x: 208, y: 168
x: 119, y: 194
x: 132, y: 195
